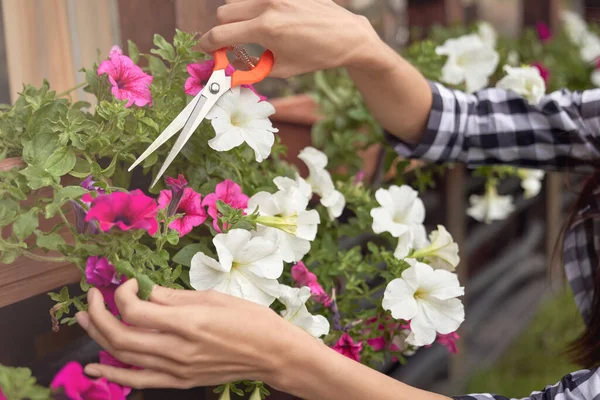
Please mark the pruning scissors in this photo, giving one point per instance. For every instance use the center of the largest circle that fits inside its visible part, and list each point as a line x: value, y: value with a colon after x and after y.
x: 195, y: 112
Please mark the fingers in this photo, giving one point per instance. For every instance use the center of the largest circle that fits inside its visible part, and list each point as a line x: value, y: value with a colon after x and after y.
x: 146, y: 314
x: 239, y: 11
x: 230, y: 34
x: 138, y: 379
x: 171, y: 297
x: 112, y: 334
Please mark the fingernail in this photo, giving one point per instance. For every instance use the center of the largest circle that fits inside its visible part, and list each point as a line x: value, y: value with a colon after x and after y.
x: 92, y: 370
x: 83, y: 319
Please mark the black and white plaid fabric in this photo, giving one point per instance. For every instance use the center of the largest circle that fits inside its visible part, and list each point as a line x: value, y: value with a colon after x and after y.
x: 562, y: 132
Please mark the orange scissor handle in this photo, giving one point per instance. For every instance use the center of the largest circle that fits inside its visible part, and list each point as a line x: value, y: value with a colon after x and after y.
x: 261, y: 71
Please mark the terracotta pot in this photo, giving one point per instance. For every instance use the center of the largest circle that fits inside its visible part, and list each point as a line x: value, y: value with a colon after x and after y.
x: 25, y: 277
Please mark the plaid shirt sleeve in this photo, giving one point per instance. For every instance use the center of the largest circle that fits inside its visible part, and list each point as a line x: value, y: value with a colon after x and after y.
x: 496, y: 126
x: 580, y: 385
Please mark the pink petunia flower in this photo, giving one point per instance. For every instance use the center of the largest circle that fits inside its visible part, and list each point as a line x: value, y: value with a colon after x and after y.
x: 544, y: 72
x: 103, y: 275
x: 228, y: 192
x: 304, y: 277
x: 107, y: 359
x: 177, y: 186
x: 449, y: 341
x: 2, y: 396
x: 190, y: 206
x: 133, y: 210
x: 200, y: 74
x: 77, y: 386
x: 347, y: 347
x: 128, y: 80
x: 543, y: 31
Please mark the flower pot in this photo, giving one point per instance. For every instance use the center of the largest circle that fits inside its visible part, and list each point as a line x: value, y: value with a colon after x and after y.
x: 25, y: 277
x: 294, y: 117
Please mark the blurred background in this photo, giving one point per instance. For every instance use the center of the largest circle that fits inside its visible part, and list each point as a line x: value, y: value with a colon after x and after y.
x: 515, y: 308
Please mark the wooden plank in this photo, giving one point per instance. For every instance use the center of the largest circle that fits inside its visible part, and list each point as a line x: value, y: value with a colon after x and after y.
x: 425, y: 14
x: 139, y: 20
x: 456, y: 220
x: 196, y: 16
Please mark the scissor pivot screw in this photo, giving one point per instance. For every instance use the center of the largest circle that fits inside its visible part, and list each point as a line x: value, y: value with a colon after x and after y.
x: 215, y: 88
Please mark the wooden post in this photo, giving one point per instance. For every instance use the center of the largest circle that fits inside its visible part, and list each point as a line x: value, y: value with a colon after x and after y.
x: 554, y: 183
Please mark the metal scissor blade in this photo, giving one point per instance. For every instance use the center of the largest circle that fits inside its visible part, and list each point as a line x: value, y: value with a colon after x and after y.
x: 198, y: 114
x: 174, y: 127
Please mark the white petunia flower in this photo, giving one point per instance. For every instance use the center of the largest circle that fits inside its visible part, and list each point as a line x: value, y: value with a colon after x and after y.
x: 595, y: 78
x: 525, y: 81
x: 531, y: 181
x: 442, y: 253
x: 401, y: 212
x: 321, y: 182
x: 470, y: 60
x: 294, y: 300
x: 490, y: 206
x: 428, y: 299
x: 513, y: 58
x: 284, y: 213
x: 248, y: 267
x: 487, y: 33
x: 285, y: 183
x: 239, y: 116
x: 574, y: 26
x: 590, y: 47
x: 413, y: 240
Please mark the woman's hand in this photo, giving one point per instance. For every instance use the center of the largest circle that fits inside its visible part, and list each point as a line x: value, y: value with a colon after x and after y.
x: 184, y: 339
x: 305, y: 36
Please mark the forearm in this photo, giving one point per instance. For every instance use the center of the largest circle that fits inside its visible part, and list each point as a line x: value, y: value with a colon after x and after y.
x: 395, y: 92
x: 313, y: 371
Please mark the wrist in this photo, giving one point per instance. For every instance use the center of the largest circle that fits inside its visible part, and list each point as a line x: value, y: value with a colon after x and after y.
x: 371, y: 55
x: 296, y: 361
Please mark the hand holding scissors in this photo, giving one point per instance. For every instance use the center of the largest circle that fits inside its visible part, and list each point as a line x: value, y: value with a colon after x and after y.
x: 194, y: 113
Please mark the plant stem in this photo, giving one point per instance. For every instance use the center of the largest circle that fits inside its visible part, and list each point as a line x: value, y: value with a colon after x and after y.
x: 66, y: 92
x: 38, y: 257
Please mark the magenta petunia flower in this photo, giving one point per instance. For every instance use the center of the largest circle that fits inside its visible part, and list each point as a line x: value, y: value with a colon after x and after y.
x: 2, y: 396
x: 190, y: 206
x: 347, y: 347
x: 77, y: 386
x: 544, y: 32
x: 544, y: 72
x: 128, y: 80
x: 133, y: 210
x: 177, y: 186
x: 200, y: 74
x: 228, y: 192
x: 449, y: 341
x: 103, y: 275
x: 303, y: 277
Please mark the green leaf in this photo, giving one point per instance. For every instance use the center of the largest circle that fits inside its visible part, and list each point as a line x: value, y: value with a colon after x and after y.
x: 18, y: 384
x: 50, y: 241
x: 133, y: 51
x: 40, y: 148
x: 8, y: 211
x: 70, y: 193
x: 184, y: 256
x: 150, y: 122
x: 165, y: 49
x: 173, y: 237
x: 157, y: 66
x: 81, y: 168
x: 145, y: 286
x: 61, y: 162
x: 150, y: 161
x: 38, y: 178
x: 26, y: 224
